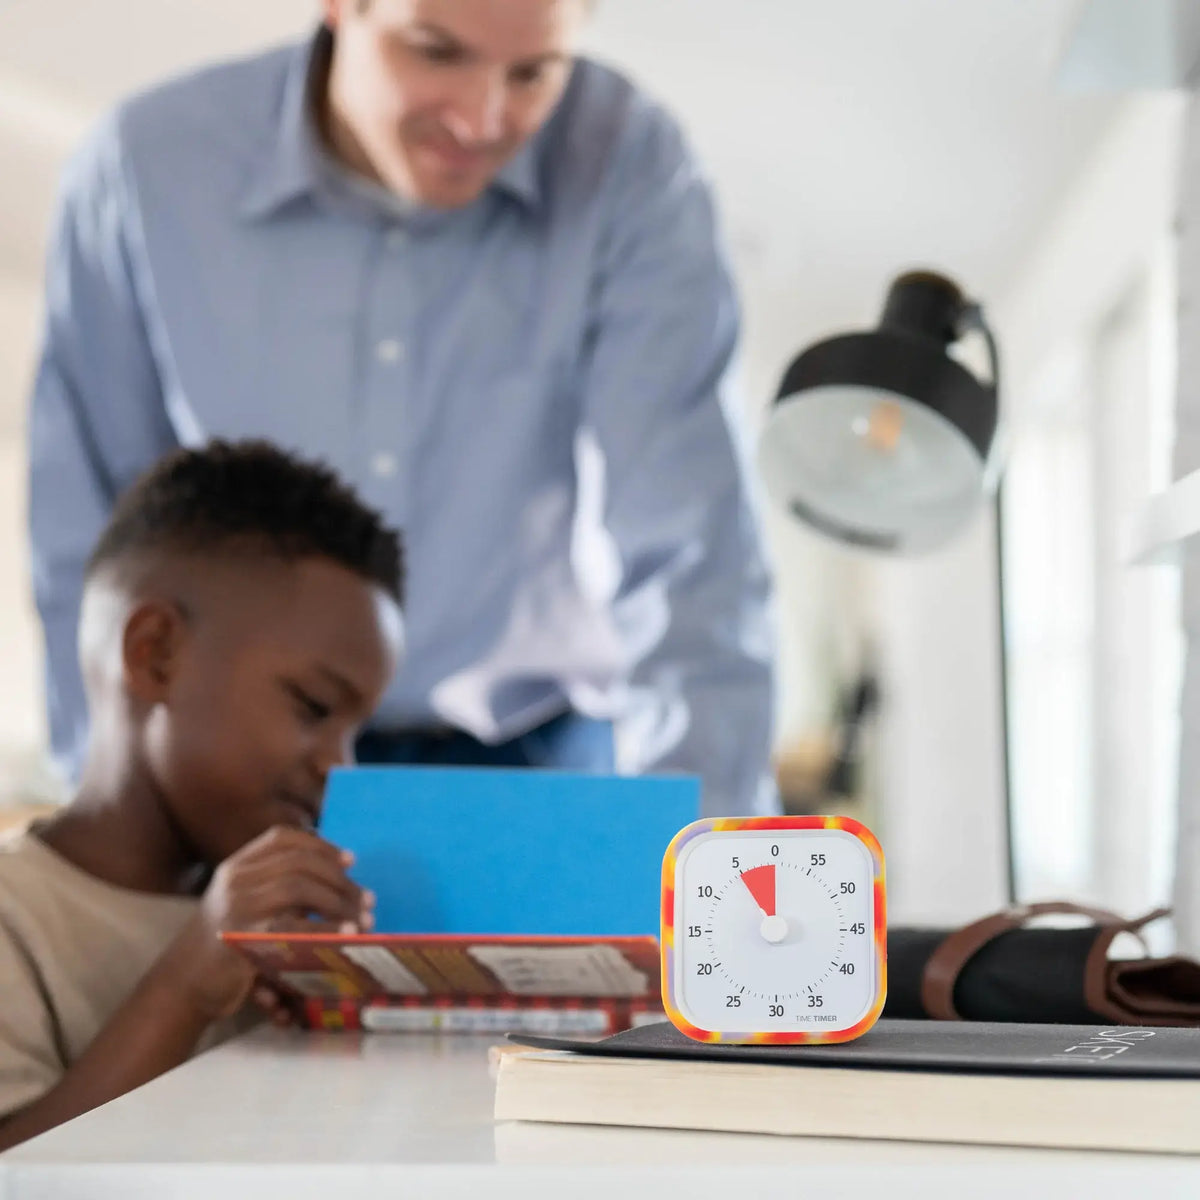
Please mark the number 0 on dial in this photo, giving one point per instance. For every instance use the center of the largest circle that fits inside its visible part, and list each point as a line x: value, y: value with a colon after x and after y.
x: 774, y: 930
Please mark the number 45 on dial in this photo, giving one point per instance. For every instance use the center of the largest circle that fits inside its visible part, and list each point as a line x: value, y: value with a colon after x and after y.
x: 774, y: 930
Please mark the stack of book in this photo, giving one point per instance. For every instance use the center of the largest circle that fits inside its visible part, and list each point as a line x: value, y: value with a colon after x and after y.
x: 1078, y: 1086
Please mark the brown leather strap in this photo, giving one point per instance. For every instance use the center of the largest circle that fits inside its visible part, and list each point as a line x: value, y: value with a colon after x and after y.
x: 958, y: 948
x: 1159, y: 991
x: 1096, y: 992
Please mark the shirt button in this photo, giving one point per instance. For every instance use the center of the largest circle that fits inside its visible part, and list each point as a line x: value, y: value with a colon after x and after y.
x: 384, y: 465
x: 389, y: 351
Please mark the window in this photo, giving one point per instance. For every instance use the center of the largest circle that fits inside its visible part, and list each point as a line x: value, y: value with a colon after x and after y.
x: 1095, y: 647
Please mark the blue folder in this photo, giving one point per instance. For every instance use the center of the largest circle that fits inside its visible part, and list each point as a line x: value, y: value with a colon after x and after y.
x: 477, y: 851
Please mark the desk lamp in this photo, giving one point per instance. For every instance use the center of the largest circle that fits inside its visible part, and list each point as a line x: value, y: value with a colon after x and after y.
x: 885, y: 440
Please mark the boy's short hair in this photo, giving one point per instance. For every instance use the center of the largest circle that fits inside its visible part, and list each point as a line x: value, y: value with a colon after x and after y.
x: 251, y: 496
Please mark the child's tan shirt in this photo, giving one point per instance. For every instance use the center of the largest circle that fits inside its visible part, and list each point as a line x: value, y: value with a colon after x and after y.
x: 72, y: 949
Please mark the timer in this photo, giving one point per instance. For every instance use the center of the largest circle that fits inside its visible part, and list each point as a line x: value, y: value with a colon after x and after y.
x: 774, y: 930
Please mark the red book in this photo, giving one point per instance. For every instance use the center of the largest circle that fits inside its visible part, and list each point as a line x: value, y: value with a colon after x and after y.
x: 491, y: 983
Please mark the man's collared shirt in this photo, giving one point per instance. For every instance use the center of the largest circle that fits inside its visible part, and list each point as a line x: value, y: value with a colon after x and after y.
x: 533, y: 388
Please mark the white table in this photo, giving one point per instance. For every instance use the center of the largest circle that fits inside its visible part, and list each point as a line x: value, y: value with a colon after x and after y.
x: 318, y: 1117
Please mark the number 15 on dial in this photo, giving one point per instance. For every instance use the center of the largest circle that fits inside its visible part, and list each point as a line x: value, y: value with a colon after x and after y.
x: 774, y: 930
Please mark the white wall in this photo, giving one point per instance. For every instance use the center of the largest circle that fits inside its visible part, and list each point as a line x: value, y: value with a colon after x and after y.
x: 1106, y: 229
x: 1186, y: 896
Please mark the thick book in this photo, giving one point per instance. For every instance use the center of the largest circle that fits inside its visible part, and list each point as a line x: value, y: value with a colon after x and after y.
x: 1076, y: 1086
x: 460, y: 983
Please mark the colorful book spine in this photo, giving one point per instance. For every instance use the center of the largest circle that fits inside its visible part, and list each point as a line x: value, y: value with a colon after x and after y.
x: 455, y: 1014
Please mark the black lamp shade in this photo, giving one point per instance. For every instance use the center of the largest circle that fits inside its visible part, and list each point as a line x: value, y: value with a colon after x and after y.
x: 881, y: 439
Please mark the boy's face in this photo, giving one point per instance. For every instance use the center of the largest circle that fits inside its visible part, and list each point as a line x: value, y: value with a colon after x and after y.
x: 261, y: 691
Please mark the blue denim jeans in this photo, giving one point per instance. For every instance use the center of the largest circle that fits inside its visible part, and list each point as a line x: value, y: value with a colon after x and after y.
x: 568, y: 742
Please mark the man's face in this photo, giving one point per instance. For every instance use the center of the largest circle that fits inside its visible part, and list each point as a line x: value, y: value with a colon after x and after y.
x: 432, y: 97
x: 278, y: 668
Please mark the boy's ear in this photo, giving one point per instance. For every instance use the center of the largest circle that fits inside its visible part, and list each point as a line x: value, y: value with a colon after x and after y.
x: 150, y: 649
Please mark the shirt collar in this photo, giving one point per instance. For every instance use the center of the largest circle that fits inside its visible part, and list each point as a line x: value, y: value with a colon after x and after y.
x: 297, y: 163
x: 520, y: 177
x: 291, y: 166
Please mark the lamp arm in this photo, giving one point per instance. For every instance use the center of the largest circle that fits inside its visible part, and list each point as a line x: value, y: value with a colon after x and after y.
x: 972, y: 320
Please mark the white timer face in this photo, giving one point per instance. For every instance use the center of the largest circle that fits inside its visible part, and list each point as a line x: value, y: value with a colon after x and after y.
x: 774, y: 932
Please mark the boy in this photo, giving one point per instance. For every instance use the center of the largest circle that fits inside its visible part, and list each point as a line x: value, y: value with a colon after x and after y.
x: 241, y: 619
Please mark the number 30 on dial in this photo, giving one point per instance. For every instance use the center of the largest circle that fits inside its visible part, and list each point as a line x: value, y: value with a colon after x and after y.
x: 774, y: 930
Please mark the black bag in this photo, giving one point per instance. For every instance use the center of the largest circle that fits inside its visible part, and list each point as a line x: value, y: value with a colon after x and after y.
x: 997, y: 969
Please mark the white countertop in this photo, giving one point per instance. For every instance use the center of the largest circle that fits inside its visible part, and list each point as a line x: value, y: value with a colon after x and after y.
x: 345, y: 1115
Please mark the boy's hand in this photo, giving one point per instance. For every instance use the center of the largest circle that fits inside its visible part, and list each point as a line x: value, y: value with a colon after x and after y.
x: 272, y: 1005
x: 277, y: 881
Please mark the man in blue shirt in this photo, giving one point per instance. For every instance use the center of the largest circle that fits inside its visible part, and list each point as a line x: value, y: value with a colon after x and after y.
x: 478, y: 275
